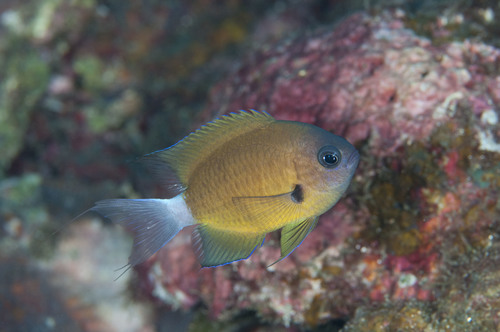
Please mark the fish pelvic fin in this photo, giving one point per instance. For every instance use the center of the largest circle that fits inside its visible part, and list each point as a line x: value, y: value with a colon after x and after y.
x: 154, y: 222
x: 215, y: 247
x: 292, y: 235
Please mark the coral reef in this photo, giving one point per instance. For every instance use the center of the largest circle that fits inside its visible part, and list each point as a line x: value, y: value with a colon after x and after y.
x: 74, y: 291
x: 24, y: 80
x: 468, y: 299
x: 424, y: 117
x: 87, y: 86
x: 29, y: 302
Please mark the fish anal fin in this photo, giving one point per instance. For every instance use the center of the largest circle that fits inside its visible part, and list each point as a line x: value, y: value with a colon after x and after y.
x: 216, y: 247
x: 292, y: 235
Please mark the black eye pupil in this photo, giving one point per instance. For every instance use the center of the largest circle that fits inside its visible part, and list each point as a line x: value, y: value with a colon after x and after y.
x: 329, y: 156
x: 330, y: 159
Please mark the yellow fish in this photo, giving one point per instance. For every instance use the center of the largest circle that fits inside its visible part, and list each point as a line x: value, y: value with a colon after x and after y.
x: 238, y: 178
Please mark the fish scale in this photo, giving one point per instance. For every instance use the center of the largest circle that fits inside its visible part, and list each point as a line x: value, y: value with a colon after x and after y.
x: 237, y: 179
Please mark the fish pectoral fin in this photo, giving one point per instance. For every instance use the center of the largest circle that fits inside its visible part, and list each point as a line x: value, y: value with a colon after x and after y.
x: 215, y: 247
x: 275, y: 209
x: 293, y: 235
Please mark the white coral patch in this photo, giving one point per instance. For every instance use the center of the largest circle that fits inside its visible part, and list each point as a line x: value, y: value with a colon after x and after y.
x: 489, y: 117
x: 487, y: 142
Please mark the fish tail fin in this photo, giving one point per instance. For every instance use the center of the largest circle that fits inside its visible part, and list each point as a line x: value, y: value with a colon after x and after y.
x: 154, y: 222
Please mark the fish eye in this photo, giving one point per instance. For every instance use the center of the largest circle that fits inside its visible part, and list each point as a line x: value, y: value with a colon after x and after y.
x: 329, y: 156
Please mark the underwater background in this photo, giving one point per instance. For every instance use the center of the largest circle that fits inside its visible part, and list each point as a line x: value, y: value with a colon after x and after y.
x: 88, y: 86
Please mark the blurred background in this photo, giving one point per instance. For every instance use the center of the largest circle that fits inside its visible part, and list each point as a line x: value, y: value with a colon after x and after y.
x: 87, y: 87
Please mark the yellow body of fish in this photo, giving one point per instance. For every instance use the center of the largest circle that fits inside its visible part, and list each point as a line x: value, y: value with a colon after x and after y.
x: 238, y: 178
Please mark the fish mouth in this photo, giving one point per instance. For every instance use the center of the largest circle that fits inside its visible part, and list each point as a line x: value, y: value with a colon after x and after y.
x: 353, y: 159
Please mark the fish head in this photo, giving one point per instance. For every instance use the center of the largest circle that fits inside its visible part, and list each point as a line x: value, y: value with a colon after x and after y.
x: 337, y: 160
x: 325, y: 167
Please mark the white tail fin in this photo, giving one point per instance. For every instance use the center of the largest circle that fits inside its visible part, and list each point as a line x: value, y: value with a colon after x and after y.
x: 154, y: 222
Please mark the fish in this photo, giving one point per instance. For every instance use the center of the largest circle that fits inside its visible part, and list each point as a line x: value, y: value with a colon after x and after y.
x: 236, y: 179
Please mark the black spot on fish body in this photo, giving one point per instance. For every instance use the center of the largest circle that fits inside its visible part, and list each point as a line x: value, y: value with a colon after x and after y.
x: 297, y: 194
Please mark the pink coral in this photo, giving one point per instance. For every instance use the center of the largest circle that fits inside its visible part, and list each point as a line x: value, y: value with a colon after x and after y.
x: 392, y: 93
x: 366, y: 78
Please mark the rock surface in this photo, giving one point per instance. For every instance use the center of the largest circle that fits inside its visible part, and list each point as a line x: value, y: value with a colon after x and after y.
x: 87, y: 86
x: 424, y: 117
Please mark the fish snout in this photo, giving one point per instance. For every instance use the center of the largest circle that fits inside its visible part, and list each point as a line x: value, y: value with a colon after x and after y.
x: 353, y: 159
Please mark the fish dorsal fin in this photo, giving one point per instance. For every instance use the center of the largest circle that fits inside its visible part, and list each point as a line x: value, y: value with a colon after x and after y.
x: 273, y: 210
x: 164, y: 174
x: 292, y: 235
x: 183, y: 157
